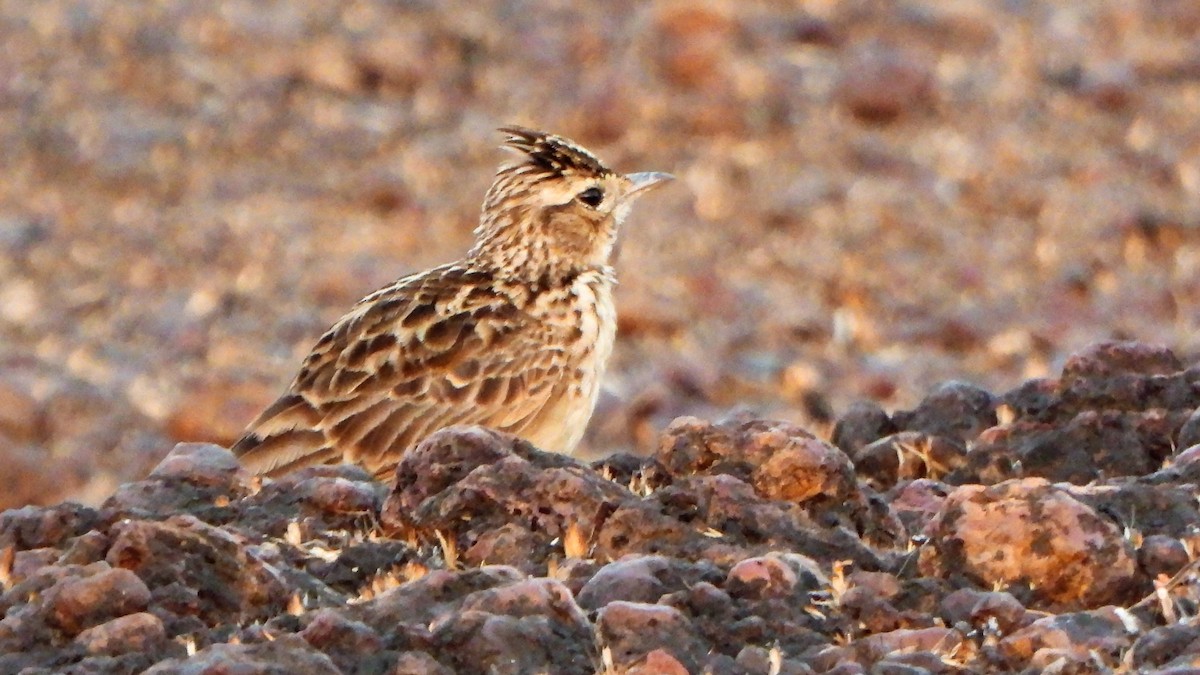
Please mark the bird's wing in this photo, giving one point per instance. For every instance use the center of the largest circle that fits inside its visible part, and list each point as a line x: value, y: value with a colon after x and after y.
x: 432, y: 350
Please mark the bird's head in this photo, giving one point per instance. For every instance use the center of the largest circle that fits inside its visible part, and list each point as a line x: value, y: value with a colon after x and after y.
x: 556, y: 210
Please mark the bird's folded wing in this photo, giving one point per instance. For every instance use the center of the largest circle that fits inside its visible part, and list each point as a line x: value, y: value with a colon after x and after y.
x: 428, y: 352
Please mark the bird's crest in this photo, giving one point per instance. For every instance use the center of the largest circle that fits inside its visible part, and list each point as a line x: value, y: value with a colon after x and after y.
x: 550, y: 154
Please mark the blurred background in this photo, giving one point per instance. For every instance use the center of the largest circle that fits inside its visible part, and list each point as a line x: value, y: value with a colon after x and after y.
x: 873, y: 196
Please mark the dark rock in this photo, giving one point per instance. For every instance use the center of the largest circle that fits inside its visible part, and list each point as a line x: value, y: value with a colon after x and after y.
x: 1090, y: 446
x: 863, y: 423
x: 638, y: 579
x: 908, y: 455
x: 529, y: 626
x: 1160, y: 554
x: 953, y: 410
x: 1161, y: 645
x: 35, y: 527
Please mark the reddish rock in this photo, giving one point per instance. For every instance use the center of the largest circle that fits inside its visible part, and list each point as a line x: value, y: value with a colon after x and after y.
x: 1030, y: 532
x: 140, y: 632
x: 916, y: 503
x: 200, y: 464
x: 1072, y: 636
x: 419, y: 663
x: 629, y: 631
x: 76, y: 604
x: 874, y: 648
x: 343, y: 640
x: 658, y: 662
x: 781, y: 460
x: 764, y: 576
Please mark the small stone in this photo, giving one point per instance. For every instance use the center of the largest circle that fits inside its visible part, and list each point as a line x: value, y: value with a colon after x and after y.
x: 1161, y: 554
x: 761, y: 577
x: 908, y: 455
x: 75, y: 604
x: 632, y: 630
x: 954, y: 410
x: 138, y: 632
x: 863, y: 423
x: 1100, y: 631
x: 658, y: 662
x: 633, y: 579
x: 200, y: 464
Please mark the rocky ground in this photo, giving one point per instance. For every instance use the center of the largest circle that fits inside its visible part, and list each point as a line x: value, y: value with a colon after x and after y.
x: 1049, y: 529
x: 877, y: 201
x: 873, y: 197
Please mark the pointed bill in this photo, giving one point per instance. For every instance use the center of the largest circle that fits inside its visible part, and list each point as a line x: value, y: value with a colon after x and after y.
x: 645, y: 181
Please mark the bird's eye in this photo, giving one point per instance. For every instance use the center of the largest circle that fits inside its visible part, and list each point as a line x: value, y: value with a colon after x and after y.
x: 592, y: 197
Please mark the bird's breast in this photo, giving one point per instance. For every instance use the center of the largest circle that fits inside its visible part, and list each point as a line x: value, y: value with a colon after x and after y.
x: 585, y: 319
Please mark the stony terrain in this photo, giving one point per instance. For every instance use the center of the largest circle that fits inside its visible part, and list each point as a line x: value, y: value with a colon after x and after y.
x: 863, y: 414
x: 1052, y: 528
x: 873, y: 197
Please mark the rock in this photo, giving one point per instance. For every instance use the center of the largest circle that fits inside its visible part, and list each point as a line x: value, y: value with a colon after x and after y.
x: 908, y: 455
x: 1160, y: 554
x: 343, y: 640
x: 1091, y: 445
x: 630, y: 631
x: 217, y: 581
x: 875, y: 648
x: 863, y: 423
x: 954, y: 410
x: 140, y: 632
x: 1163, y: 646
x: 286, y: 654
x: 528, y: 626
x: 470, y: 482
x: 635, y: 578
x: 76, y: 604
x: 1034, y: 533
x: 1070, y: 636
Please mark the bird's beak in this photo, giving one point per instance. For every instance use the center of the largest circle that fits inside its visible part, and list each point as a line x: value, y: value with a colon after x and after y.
x: 646, y: 181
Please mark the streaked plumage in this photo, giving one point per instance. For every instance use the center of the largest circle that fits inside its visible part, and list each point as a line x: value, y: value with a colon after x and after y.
x: 515, y: 336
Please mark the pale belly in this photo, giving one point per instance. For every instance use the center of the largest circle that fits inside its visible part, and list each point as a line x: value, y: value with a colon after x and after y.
x: 561, y: 426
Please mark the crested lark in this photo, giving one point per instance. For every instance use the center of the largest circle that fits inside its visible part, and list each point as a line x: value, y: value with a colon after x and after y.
x: 515, y: 336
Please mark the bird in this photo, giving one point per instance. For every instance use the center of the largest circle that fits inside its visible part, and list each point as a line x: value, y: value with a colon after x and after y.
x: 514, y: 336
